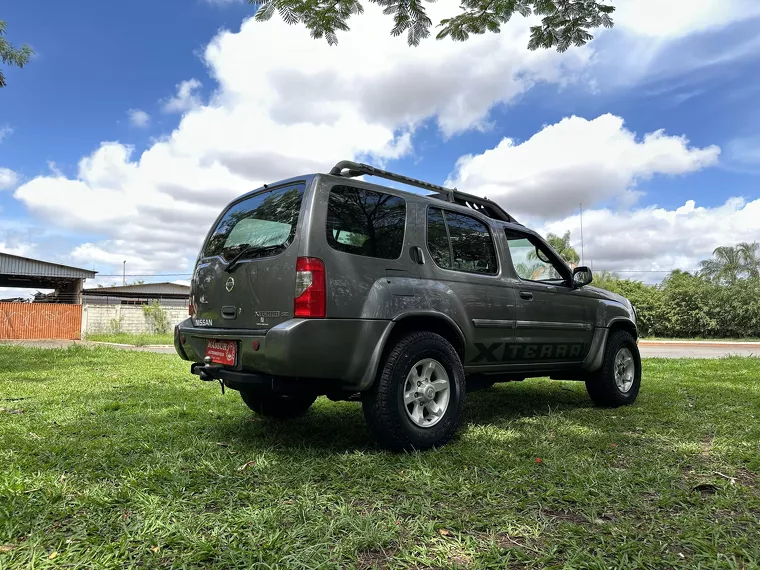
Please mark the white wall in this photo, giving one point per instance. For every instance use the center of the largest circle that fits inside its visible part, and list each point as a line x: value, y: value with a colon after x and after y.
x: 97, y: 318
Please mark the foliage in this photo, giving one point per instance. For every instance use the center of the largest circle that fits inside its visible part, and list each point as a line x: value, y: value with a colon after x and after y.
x: 9, y: 55
x: 157, y: 317
x: 564, y: 22
x: 689, y: 306
x: 730, y: 264
x: 114, y: 325
x: 562, y: 246
x: 138, y: 464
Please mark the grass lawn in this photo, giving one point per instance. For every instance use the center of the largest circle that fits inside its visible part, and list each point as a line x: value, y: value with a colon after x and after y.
x: 133, y: 339
x: 115, y: 459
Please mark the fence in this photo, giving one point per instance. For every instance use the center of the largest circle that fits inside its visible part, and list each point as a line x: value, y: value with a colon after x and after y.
x: 132, y: 319
x: 30, y: 321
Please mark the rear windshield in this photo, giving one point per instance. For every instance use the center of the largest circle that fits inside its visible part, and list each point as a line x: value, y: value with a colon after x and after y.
x: 267, y: 221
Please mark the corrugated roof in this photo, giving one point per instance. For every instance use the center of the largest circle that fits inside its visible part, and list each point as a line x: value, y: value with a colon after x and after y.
x: 17, y: 265
x: 144, y: 288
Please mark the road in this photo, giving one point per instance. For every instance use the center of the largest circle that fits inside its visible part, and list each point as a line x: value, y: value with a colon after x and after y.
x: 649, y: 349
x: 696, y: 349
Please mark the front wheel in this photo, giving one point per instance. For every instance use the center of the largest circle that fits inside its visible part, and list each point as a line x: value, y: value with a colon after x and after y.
x: 618, y: 381
x: 416, y: 401
x: 270, y: 404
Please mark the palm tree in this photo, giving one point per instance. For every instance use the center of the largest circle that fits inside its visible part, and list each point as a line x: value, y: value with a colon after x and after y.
x: 749, y: 253
x: 562, y: 246
x: 726, y: 265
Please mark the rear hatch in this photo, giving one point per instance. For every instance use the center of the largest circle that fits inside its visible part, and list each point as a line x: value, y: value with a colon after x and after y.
x: 246, y: 272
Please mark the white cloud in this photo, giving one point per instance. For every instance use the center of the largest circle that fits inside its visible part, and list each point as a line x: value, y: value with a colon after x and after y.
x: 8, y: 178
x: 678, y: 18
x: 22, y: 249
x: 185, y: 99
x: 574, y: 161
x: 296, y: 110
x: 655, y: 240
x: 138, y: 118
x: 5, y: 131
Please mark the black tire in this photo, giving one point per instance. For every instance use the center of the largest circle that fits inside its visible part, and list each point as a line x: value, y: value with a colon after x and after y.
x: 603, y: 388
x: 383, y: 404
x: 269, y: 404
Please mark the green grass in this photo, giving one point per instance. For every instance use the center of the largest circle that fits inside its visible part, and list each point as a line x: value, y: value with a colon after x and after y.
x: 142, y: 339
x: 116, y: 459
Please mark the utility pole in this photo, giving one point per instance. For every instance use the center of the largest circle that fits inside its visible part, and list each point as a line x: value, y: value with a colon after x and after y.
x: 581, y: 233
x: 124, y: 274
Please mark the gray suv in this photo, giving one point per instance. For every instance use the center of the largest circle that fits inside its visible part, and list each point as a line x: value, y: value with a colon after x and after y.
x: 329, y: 285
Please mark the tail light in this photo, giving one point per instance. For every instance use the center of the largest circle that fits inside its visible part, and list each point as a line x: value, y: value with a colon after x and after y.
x: 191, y: 307
x: 310, y: 288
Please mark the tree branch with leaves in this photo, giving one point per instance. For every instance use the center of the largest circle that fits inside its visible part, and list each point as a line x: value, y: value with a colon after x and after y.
x: 564, y: 23
x: 9, y: 55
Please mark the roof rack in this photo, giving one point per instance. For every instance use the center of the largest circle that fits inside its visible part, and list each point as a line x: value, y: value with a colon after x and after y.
x: 350, y: 169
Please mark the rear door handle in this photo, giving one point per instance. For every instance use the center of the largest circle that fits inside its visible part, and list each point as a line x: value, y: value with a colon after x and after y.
x: 229, y: 312
x: 527, y: 295
x: 420, y: 257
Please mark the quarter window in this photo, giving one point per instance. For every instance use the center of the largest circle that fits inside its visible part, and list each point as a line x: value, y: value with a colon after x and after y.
x: 460, y: 242
x: 365, y: 222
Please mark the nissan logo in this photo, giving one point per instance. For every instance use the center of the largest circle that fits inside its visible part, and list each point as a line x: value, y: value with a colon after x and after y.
x: 230, y: 284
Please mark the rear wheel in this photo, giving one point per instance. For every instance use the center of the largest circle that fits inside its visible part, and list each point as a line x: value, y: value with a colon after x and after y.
x: 416, y: 401
x: 270, y: 404
x: 618, y: 381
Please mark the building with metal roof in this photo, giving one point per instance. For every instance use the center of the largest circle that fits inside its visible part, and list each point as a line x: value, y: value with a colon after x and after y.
x: 169, y: 294
x: 66, y: 281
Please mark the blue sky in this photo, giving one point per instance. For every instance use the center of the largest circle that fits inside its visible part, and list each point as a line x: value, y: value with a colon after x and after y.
x: 270, y: 100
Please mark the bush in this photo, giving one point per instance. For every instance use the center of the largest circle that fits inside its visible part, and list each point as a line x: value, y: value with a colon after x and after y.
x: 687, y: 306
x: 157, y: 317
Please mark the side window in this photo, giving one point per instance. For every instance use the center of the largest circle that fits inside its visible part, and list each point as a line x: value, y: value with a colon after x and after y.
x: 531, y: 261
x: 460, y: 242
x: 365, y: 222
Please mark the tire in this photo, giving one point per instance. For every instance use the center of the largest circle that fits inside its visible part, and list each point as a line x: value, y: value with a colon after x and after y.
x: 604, y: 388
x: 267, y: 403
x: 423, y: 357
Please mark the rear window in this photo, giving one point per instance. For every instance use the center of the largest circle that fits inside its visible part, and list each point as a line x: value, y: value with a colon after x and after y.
x: 365, y: 222
x: 267, y: 221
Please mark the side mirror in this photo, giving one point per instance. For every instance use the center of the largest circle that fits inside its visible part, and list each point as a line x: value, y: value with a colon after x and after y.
x: 582, y: 276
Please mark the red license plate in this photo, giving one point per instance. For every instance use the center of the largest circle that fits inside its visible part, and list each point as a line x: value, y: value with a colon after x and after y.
x: 222, y: 351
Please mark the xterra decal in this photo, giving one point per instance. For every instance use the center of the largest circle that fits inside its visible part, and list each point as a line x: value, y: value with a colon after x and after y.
x: 506, y: 352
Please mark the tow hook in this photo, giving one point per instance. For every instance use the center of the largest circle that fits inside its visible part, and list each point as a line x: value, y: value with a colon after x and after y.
x: 207, y: 371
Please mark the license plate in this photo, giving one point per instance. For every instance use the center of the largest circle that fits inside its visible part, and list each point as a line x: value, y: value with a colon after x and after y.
x: 222, y: 351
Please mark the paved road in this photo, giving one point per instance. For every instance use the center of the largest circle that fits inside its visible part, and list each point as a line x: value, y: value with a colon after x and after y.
x: 675, y: 349
x: 649, y: 349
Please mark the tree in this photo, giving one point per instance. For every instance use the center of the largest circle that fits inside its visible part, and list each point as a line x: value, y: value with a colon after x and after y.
x: 10, y: 55
x: 562, y: 246
x: 730, y: 264
x: 749, y: 254
x: 564, y: 22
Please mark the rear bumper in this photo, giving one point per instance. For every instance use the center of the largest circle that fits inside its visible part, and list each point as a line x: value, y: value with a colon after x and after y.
x: 347, y: 350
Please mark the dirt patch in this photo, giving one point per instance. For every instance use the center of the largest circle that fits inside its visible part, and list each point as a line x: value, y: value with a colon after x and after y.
x: 569, y: 516
x: 747, y: 478
x: 375, y: 559
x: 705, y: 446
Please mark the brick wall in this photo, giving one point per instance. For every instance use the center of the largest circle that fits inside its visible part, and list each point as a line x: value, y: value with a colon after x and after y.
x: 98, y: 318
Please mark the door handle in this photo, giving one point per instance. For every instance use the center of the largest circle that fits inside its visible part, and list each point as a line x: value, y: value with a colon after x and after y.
x: 420, y: 257
x: 527, y: 295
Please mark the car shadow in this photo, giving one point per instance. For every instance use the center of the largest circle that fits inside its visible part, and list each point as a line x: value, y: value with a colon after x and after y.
x: 330, y: 427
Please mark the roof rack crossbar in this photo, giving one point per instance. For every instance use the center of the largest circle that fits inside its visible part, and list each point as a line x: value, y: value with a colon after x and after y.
x: 357, y: 169
x: 482, y: 205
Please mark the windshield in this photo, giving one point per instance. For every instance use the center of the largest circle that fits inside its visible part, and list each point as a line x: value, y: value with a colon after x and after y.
x: 266, y: 222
